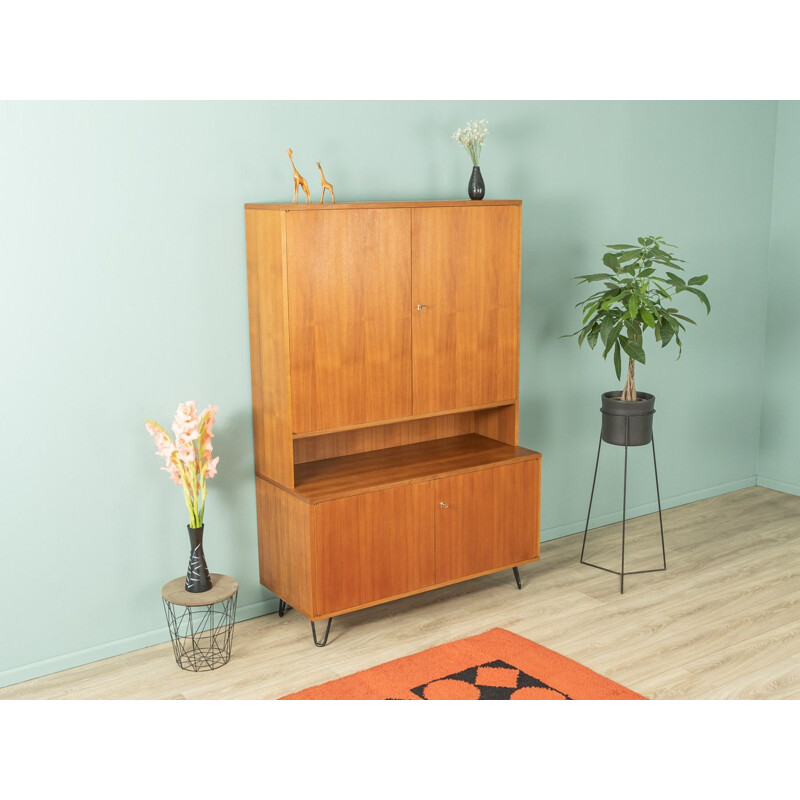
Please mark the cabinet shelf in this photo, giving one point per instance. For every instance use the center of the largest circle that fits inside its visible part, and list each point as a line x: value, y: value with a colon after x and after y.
x: 397, y: 466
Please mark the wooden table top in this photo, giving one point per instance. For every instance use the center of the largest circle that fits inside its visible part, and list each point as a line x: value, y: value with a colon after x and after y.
x: 222, y: 587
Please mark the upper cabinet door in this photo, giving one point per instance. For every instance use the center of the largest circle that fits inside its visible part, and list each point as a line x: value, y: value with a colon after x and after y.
x: 465, y: 306
x: 349, y: 284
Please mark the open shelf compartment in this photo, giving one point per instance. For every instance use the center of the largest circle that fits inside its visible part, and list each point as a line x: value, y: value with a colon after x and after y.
x: 331, y: 478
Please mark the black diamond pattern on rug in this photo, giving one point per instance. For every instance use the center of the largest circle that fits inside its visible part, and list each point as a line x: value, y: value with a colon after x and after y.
x: 495, y: 680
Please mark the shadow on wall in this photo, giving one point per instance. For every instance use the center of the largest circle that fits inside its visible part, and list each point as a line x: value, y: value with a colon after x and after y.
x: 233, y: 495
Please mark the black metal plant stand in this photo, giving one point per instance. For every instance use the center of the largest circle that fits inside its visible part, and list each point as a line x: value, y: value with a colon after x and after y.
x: 621, y: 572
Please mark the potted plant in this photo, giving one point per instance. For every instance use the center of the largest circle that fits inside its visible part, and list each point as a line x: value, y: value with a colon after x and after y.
x: 637, y: 297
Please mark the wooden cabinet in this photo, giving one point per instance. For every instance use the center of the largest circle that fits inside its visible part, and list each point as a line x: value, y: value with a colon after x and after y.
x: 384, y: 344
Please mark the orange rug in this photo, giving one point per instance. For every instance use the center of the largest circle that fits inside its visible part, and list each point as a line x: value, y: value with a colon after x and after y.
x: 497, y: 665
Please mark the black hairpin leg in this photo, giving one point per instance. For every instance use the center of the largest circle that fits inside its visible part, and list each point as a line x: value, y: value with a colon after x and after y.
x: 622, y: 572
x: 327, y: 631
x: 516, y: 576
x: 282, y: 607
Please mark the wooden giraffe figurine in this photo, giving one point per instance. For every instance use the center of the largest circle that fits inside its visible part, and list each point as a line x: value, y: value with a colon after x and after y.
x: 299, y: 181
x: 325, y: 185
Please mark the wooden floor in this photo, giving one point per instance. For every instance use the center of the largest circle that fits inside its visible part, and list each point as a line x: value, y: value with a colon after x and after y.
x: 722, y: 622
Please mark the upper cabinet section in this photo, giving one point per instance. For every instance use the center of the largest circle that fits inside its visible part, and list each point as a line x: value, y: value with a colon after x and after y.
x: 364, y: 313
x: 465, y: 306
x: 349, y: 284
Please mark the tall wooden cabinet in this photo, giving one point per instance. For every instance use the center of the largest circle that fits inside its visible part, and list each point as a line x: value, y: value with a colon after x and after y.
x: 384, y: 343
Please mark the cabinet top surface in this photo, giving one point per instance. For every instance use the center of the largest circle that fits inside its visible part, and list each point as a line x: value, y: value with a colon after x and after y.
x: 399, y: 204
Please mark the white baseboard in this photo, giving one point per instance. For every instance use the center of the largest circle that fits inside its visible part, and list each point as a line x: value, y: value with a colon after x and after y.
x: 598, y: 521
x: 778, y: 486
x: 117, y: 647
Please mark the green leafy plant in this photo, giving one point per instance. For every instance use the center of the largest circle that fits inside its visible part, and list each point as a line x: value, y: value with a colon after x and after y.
x: 636, y: 299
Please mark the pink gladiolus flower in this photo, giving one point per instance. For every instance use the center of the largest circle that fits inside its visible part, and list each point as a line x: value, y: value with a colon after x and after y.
x: 164, y: 445
x: 188, y: 461
x: 185, y: 424
x: 210, y: 419
x: 174, y: 475
x: 166, y: 451
x: 186, y: 452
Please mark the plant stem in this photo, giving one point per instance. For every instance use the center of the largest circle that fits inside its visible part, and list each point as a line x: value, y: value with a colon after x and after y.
x: 629, y: 392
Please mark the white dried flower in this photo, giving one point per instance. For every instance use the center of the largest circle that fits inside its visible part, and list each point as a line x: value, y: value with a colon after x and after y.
x: 471, y: 138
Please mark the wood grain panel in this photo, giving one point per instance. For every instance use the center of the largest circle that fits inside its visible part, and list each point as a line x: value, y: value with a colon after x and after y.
x: 467, y: 275
x: 500, y: 423
x: 285, y: 560
x: 349, y: 328
x: 373, y: 546
x: 272, y: 443
x: 363, y: 440
x: 490, y: 520
x: 397, y: 466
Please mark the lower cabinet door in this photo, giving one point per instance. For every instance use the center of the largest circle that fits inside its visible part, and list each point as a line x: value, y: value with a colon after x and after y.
x: 486, y: 520
x: 373, y: 546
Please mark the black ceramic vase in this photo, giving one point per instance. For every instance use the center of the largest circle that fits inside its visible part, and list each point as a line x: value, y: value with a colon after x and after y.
x: 197, y: 577
x: 476, y: 188
x: 627, y: 422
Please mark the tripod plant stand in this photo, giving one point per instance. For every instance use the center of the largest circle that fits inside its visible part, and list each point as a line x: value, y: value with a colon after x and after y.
x: 627, y: 443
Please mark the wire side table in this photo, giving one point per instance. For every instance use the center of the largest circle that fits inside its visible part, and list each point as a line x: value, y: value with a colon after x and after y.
x: 201, y: 623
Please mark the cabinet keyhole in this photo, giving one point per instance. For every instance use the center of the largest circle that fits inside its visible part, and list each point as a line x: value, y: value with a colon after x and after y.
x: 443, y: 505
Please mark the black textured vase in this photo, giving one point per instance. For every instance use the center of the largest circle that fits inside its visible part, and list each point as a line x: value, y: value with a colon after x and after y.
x: 476, y: 188
x: 197, y: 577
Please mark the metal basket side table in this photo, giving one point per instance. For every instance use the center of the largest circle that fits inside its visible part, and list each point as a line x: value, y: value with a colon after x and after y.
x: 201, y: 623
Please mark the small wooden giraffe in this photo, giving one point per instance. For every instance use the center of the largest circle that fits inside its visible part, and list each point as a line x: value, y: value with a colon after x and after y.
x: 325, y: 185
x: 299, y: 181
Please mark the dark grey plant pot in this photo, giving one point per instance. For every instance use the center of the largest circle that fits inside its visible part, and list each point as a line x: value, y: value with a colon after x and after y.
x: 636, y: 416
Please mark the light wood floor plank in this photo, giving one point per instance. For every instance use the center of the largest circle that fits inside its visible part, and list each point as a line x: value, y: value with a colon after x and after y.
x: 722, y: 622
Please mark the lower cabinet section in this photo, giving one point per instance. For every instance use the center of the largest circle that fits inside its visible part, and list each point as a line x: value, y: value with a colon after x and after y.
x: 337, y: 555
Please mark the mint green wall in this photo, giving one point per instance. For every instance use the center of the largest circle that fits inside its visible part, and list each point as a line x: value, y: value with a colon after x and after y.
x: 122, y: 253
x: 779, y: 457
